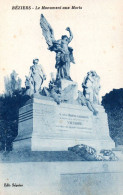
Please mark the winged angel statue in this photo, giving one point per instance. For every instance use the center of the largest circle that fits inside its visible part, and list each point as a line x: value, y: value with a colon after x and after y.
x: 64, y: 54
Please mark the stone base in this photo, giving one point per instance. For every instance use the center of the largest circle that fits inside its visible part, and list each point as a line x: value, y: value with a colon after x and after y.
x: 69, y: 89
x: 51, y: 144
x: 46, y: 126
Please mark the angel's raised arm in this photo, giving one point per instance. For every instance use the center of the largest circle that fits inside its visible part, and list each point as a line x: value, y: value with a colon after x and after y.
x: 71, y: 34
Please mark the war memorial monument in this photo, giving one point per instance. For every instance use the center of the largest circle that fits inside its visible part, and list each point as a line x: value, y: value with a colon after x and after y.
x: 63, y: 146
x: 60, y: 116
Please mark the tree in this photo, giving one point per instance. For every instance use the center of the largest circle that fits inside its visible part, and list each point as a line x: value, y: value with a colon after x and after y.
x: 113, y: 104
x: 10, y: 103
x: 12, y: 83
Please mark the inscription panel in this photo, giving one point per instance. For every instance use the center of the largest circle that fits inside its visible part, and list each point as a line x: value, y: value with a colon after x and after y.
x: 59, y: 122
x: 73, y: 120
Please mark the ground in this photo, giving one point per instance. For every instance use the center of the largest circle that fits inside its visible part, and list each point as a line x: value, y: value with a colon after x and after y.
x: 45, y: 178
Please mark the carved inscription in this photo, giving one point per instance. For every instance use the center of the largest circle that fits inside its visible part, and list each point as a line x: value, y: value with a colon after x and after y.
x: 74, y: 121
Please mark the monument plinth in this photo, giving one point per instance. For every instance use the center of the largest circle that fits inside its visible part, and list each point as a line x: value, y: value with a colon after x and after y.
x: 46, y: 126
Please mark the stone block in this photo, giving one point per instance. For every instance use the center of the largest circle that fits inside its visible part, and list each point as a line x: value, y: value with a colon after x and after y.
x: 46, y: 126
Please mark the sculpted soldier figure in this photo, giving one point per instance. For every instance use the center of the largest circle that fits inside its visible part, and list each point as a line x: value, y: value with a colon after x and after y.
x: 96, y: 88
x: 88, y: 86
x: 91, y: 87
x: 36, y: 75
x: 29, y: 86
x: 64, y: 54
x: 35, y: 78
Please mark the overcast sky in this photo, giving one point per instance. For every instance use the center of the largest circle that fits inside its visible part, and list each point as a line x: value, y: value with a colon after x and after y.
x: 97, y: 42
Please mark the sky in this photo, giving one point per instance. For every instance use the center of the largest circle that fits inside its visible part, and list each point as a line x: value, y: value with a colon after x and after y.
x: 98, y: 39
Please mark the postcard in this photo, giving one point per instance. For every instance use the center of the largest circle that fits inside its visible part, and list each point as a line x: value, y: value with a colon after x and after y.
x: 61, y: 97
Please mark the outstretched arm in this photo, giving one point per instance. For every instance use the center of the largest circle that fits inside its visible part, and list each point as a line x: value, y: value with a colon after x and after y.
x: 71, y: 34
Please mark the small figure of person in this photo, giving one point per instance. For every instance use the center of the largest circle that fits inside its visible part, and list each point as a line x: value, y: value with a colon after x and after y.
x: 96, y: 88
x: 91, y: 89
x: 29, y: 87
x: 36, y: 75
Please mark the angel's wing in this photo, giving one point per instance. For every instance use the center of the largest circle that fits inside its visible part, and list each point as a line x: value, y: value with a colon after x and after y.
x: 47, y: 31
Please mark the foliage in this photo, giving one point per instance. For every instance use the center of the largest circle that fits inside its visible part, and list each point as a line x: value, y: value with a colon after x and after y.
x: 12, y: 83
x: 9, y: 108
x: 113, y: 104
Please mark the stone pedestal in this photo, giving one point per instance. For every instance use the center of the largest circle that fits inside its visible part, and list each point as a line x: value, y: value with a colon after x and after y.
x: 69, y: 89
x: 46, y: 126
